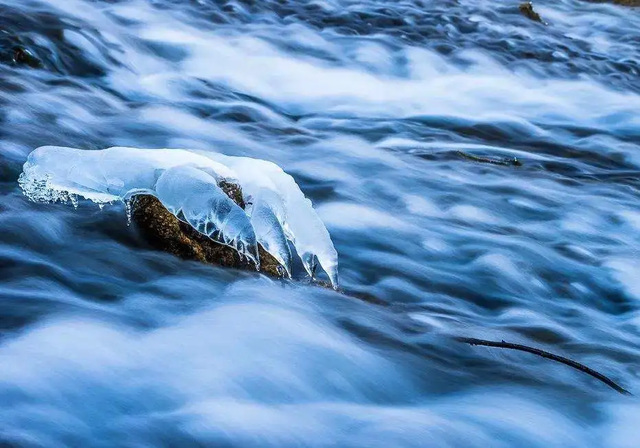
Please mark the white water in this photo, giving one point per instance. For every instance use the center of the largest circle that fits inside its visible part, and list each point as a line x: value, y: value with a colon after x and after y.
x: 106, y: 342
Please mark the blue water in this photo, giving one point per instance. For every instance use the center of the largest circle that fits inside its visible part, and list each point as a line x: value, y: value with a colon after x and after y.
x: 106, y: 342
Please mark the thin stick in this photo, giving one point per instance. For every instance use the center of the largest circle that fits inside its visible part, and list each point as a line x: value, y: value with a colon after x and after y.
x: 576, y: 365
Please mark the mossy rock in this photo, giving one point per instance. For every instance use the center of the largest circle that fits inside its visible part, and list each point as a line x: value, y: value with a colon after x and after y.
x: 165, y: 232
x: 527, y: 10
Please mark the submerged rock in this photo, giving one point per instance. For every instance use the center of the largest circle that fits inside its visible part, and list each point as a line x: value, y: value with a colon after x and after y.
x: 618, y: 2
x: 165, y: 232
x: 15, y: 50
x: 527, y: 10
x: 627, y: 2
x: 509, y: 161
x: 22, y: 56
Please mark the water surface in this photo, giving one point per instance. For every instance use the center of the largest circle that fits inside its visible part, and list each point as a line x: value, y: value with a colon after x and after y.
x: 368, y: 104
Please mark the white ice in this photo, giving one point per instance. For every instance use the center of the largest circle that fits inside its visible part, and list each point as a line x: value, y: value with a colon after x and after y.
x: 186, y: 182
x: 274, y: 193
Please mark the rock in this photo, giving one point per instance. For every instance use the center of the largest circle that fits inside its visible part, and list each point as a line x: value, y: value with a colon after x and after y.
x: 16, y: 51
x: 166, y: 232
x: 527, y: 10
x: 618, y: 2
x: 233, y: 191
x: 508, y: 161
x: 22, y: 56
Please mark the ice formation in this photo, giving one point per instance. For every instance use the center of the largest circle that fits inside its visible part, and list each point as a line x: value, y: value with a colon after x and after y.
x: 186, y: 182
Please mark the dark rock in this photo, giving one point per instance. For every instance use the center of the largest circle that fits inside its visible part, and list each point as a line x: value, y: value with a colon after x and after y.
x: 618, y: 2
x: 166, y: 232
x: 509, y: 161
x: 22, y: 56
x: 233, y: 191
x: 527, y: 10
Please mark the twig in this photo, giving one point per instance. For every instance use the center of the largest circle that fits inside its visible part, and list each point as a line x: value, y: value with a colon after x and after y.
x: 576, y: 365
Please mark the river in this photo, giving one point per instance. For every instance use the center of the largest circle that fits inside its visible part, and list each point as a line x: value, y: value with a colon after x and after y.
x: 385, y: 113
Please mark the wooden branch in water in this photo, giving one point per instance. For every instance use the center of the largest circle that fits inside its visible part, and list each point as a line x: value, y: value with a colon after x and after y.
x: 561, y: 359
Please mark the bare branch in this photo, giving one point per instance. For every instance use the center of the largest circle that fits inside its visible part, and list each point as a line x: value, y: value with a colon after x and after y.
x: 561, y: 359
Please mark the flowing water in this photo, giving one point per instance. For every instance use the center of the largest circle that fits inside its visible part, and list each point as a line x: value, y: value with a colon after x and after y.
x: 379, y: 109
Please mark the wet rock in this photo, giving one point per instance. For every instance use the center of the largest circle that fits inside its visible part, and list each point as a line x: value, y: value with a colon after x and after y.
x: 35, y: 38
x: 166, y: 232
x: 527, y: 10
x: 627, y: 2
x: 16, y: 51
x: 618, y: 2
x: 22, y: 56
x: 508, y: 161
x: 233, y: 191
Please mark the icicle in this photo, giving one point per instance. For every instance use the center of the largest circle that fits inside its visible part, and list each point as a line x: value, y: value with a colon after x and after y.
x: 129, y: 211
x: 74, y: 200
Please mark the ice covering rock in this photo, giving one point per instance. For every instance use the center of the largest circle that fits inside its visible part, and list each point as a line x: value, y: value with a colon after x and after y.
x: 186, y: 182
x: 267, y: 186
x: 206, y: 208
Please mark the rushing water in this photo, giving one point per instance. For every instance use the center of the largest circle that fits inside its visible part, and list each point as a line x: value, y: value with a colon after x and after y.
x: 368, y: 104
